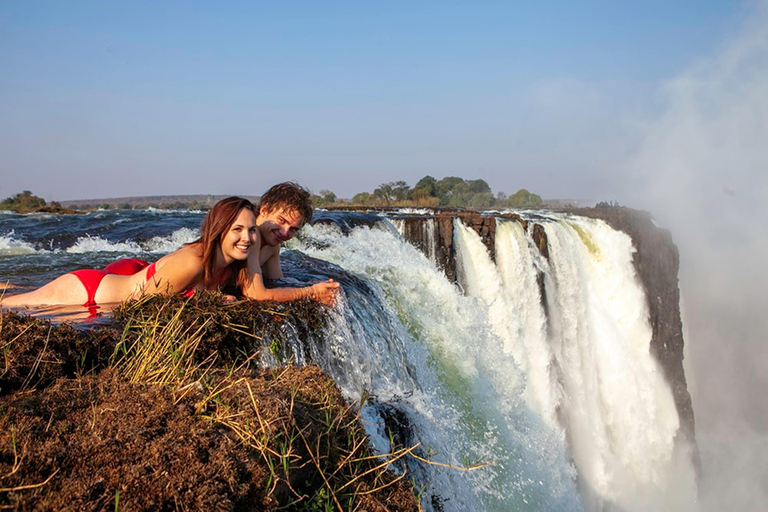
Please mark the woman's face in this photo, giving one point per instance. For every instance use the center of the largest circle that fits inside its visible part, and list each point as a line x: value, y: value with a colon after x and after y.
x: 237, y: 242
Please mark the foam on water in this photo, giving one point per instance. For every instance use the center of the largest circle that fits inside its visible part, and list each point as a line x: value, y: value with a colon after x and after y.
x: 428, y: 234
x: 497, y: 374
x: 510, y: 291
x: 485, y: 371
x: 10, y: 246
x: 155, y: 245
x: 163, y: 245
x: 413, y: 211
x: 87, y: 244
x: 419, y: 339
x: 152, y: 209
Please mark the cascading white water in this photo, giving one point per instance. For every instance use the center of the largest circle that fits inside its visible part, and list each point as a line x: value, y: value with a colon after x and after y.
x: 511, y: 293
x: 487, y: 373
x: 428, y: 228
x: 588, y: 364
x: 619, y: 414
x: 416, y: 342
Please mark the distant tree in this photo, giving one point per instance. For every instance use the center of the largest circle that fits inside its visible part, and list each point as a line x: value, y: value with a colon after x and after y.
x: 326, y: 197
x: 400, y: 190
x: 460, y: 194
x: 608, y: 204
x: 124, y: 206
x: 501, y: 196
x: 426, y: 185
x: 523, y: 198
x: 420, y: 194
x: 383, y: 193
x: 481, y: 200
x: 363, y: 198
x: 392, y: 191
x: 444, y: 189
x: 479, y: 187
x: 23, y: 202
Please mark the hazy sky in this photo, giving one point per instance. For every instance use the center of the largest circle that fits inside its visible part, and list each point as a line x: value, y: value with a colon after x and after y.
x: 106, y: 99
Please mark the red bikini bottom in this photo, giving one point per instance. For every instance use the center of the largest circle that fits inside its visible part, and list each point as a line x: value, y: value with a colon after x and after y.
x: 91, y: 278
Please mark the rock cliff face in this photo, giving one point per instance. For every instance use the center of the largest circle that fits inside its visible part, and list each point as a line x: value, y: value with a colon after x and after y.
x: 656, y: 262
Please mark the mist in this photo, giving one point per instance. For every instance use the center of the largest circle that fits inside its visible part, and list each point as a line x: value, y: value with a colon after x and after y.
x: 702, y: 170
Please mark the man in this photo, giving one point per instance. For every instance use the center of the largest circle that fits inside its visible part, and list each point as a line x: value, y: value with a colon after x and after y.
x: 282, y: 212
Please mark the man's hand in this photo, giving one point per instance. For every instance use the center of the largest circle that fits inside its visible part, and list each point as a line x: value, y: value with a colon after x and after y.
x: 325, y: 292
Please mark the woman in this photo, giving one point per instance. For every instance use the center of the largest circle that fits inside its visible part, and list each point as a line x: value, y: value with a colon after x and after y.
x: 217, y: 258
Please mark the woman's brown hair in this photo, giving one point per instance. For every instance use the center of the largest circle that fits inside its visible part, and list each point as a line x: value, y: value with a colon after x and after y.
x: 217, y: 223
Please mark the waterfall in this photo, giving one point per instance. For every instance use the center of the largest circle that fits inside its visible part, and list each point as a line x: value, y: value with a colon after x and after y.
x: 411, y: 338
x: 511, y: 294
x: 558, y: 392
x: 620, y: 415
x: 425, y: 234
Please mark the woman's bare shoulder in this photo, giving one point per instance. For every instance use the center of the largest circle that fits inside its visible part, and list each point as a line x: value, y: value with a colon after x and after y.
x: 182, y: 268
x: 187, y: 255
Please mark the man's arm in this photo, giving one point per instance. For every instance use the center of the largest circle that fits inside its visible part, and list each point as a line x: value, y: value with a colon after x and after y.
x: 324, y: 291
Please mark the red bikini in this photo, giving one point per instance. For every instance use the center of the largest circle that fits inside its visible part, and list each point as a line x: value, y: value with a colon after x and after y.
x: 91, y: 278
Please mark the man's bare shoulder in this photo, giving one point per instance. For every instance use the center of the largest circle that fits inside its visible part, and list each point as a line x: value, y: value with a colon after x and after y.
x: 267, y: 252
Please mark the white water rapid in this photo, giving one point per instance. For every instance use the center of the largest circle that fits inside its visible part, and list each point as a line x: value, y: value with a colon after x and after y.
x: 564, y: 400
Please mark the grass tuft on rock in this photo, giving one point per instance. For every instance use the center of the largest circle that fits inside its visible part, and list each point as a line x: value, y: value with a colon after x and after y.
x: 172, y: 407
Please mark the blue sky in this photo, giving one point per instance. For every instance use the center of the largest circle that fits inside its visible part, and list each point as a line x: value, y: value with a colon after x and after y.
x: 106, y: 99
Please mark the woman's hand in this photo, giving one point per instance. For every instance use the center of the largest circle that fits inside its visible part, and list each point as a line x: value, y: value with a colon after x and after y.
x: 325, y: 292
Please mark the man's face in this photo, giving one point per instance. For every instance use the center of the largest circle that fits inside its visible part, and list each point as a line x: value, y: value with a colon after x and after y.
x: 279, y: 225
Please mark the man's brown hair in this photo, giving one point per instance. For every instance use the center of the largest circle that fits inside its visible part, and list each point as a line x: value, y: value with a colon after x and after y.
x: 289, y: 196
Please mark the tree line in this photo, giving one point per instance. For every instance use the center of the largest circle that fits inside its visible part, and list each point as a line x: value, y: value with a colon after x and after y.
x: 431, y: 192
x: 27, y: 202
x: 428, y: 192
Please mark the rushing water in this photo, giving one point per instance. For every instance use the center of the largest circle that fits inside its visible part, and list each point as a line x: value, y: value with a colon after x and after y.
x: 557, y: 393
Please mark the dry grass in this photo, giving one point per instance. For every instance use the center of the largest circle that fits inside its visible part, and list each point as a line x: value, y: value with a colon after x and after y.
x: 309, y: 439
x: 208, y: 357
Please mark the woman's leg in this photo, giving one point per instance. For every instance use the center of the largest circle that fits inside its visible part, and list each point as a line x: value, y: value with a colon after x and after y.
x: 66, y: 289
